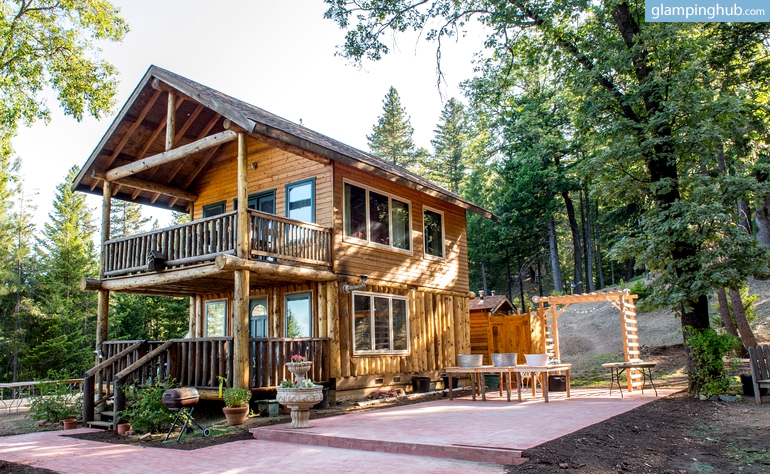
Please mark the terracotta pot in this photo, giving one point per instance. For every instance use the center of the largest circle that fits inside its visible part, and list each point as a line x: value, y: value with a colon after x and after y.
x: 69, y: 423
x: 236, y: 415
x: 122, y: 428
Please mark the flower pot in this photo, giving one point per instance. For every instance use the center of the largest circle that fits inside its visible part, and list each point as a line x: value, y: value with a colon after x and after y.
x: 236, y: 415
x: 123, y: 428
x: 69, y: 424
x: 299, y: 369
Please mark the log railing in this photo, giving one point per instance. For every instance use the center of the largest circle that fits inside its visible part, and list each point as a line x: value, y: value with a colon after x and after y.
x: 200, y: 362
x: 287, y: 239
x: 99, y: 380
x: 269, y: 357
x: 272, y: 238
x: 186, y: 244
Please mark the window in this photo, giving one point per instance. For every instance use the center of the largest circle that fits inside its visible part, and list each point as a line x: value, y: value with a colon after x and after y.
x: 380, y: 323
x: 376, y: 217
x: 264, y: 202
x: 433, y: 231
x: 216, y: 318
x: 258, y: 317
x: 298, y: 315
x: 300, y: 200
x: 210, y: 210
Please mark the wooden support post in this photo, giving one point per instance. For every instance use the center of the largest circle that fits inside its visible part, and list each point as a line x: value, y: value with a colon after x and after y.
x: 241, y: 297
x: 170, y: 120
x: 103, y: 300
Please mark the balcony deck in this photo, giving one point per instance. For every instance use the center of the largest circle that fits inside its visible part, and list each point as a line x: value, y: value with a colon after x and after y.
x: 273, y: 239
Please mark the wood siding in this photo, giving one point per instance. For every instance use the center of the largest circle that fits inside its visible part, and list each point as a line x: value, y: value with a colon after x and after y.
x: 275, y: 169
x: 494, y: 334
x: 353, y: 258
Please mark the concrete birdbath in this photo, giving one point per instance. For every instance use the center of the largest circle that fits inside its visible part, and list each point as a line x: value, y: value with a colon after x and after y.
x: 301, y: 394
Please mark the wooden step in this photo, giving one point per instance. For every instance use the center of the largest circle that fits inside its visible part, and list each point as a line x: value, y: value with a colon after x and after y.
x: 107, y: 425
x: 109, y: 413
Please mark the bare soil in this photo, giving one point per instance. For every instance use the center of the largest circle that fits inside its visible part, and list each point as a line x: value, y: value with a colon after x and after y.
x: 673, y: 435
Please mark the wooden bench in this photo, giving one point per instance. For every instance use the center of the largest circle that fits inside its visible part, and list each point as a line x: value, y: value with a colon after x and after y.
x: 759, y: 357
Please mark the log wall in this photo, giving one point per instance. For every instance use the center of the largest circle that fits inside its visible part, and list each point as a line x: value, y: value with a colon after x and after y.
x: 275, y: 169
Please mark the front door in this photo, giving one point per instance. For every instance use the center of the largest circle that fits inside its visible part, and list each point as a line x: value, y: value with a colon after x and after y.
x: 258, y: 317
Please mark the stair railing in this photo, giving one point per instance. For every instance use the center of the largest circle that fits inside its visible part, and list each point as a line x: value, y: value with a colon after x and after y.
x: 99, y: 379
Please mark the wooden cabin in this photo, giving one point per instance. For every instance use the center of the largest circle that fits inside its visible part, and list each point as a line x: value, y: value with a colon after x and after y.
x: 284, y: 224
x: 496, y: 328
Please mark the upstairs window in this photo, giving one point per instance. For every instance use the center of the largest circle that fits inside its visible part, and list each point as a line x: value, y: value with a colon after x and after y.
x: 300, y: 200
x: 380, y: 323
x: 433, y: 231
x: 377, y: 217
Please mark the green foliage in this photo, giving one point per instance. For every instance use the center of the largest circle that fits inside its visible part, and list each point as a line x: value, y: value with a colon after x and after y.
x: 237, y: 397
x: 148, y: 317
x: 707, y: 348
x: 145, y: 410
x: 56, y: 402
x: 391, y: 137
x: 451, y: 158
x: 46, y: 44
x: 640, y: 289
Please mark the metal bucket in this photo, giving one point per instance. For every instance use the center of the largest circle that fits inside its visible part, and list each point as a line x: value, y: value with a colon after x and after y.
x: 470, y: 360
x: 506, y: 359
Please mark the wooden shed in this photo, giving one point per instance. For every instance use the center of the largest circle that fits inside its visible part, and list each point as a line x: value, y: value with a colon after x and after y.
x: 495, y: 328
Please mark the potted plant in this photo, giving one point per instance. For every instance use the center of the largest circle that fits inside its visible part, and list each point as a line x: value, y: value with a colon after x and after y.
x: 299, y: 366
x: 236, y: 408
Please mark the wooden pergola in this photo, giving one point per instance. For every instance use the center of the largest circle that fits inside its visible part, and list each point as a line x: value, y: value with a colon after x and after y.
x: 551, y: 307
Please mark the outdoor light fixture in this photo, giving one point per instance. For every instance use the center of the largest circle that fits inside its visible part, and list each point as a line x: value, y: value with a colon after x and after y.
x: 99, y: 353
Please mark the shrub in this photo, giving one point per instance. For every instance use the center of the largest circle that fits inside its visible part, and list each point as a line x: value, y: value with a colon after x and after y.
x: 56, y: 402
x: 145, y: 409
x: 237, y: 397
x: 708, y: 371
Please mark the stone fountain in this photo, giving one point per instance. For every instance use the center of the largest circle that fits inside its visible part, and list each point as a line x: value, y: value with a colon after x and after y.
x: 301, y: 396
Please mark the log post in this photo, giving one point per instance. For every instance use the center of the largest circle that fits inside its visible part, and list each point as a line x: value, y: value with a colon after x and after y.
x: 170, y: 120
x: 103, y: 299
x: 241, y: 296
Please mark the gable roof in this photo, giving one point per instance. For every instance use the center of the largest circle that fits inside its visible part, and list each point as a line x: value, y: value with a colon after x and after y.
x: 492, y: 303
x: 251, y: 118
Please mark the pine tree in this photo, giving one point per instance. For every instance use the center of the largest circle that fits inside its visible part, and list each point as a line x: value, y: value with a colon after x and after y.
x: 391, y: 138
x: 450, y: 162
x: 66, y: 253
x: 126, y: 219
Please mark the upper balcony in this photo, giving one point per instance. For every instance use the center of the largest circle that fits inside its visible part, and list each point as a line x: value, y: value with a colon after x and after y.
x: 272, y: 239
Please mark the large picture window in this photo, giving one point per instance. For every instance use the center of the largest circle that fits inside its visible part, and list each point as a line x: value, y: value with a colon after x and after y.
x: 299, y: 315
x: 216, y: 318
x: 380, y: 324
x: 433, y: 231
x: 377, y: 217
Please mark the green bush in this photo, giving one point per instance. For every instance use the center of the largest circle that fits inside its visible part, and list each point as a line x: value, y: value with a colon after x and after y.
x: 56, y: 402
x: 708, y: 372
x: 640, y: 289
x: 145, y: 410
x: 237, y: 397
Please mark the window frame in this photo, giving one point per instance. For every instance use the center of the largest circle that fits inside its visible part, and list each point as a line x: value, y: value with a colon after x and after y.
x: 206, y: 317
x: 443, y: 234
x: 296, y: 184
x: 367, y: 241
x: 267, y: 314
x: 390, y: 298
x: 209, y: 207
x: 285, y: 314
x: 270, y: 192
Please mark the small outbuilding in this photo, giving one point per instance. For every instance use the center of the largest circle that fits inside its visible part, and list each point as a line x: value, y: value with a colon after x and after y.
x: 496, y: 327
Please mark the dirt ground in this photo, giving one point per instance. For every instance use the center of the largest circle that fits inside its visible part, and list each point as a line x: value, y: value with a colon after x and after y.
x: 673, y: 435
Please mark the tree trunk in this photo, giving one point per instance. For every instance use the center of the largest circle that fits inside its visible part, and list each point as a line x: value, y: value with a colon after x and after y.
x: 598, y: 246
x: 558, y: 285
x: 763, y: 221
x: 577, y: 248
x: 484, y: 278
x: 745, y: 216
x: 747, y: 335
x: 727, y: 320
x: 588, y: 245
x: 630, y: 263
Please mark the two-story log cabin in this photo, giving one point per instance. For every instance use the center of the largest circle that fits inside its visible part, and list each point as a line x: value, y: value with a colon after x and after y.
x: 284, y: 222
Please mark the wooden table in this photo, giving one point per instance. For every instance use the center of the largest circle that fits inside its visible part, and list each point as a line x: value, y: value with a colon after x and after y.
x: 541, y: 371
x: 477, y: 378
x: 18, y: 391
x: 617, y: 368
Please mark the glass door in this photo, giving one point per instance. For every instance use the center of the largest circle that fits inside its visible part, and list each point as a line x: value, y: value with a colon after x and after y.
x: 258, y: 317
